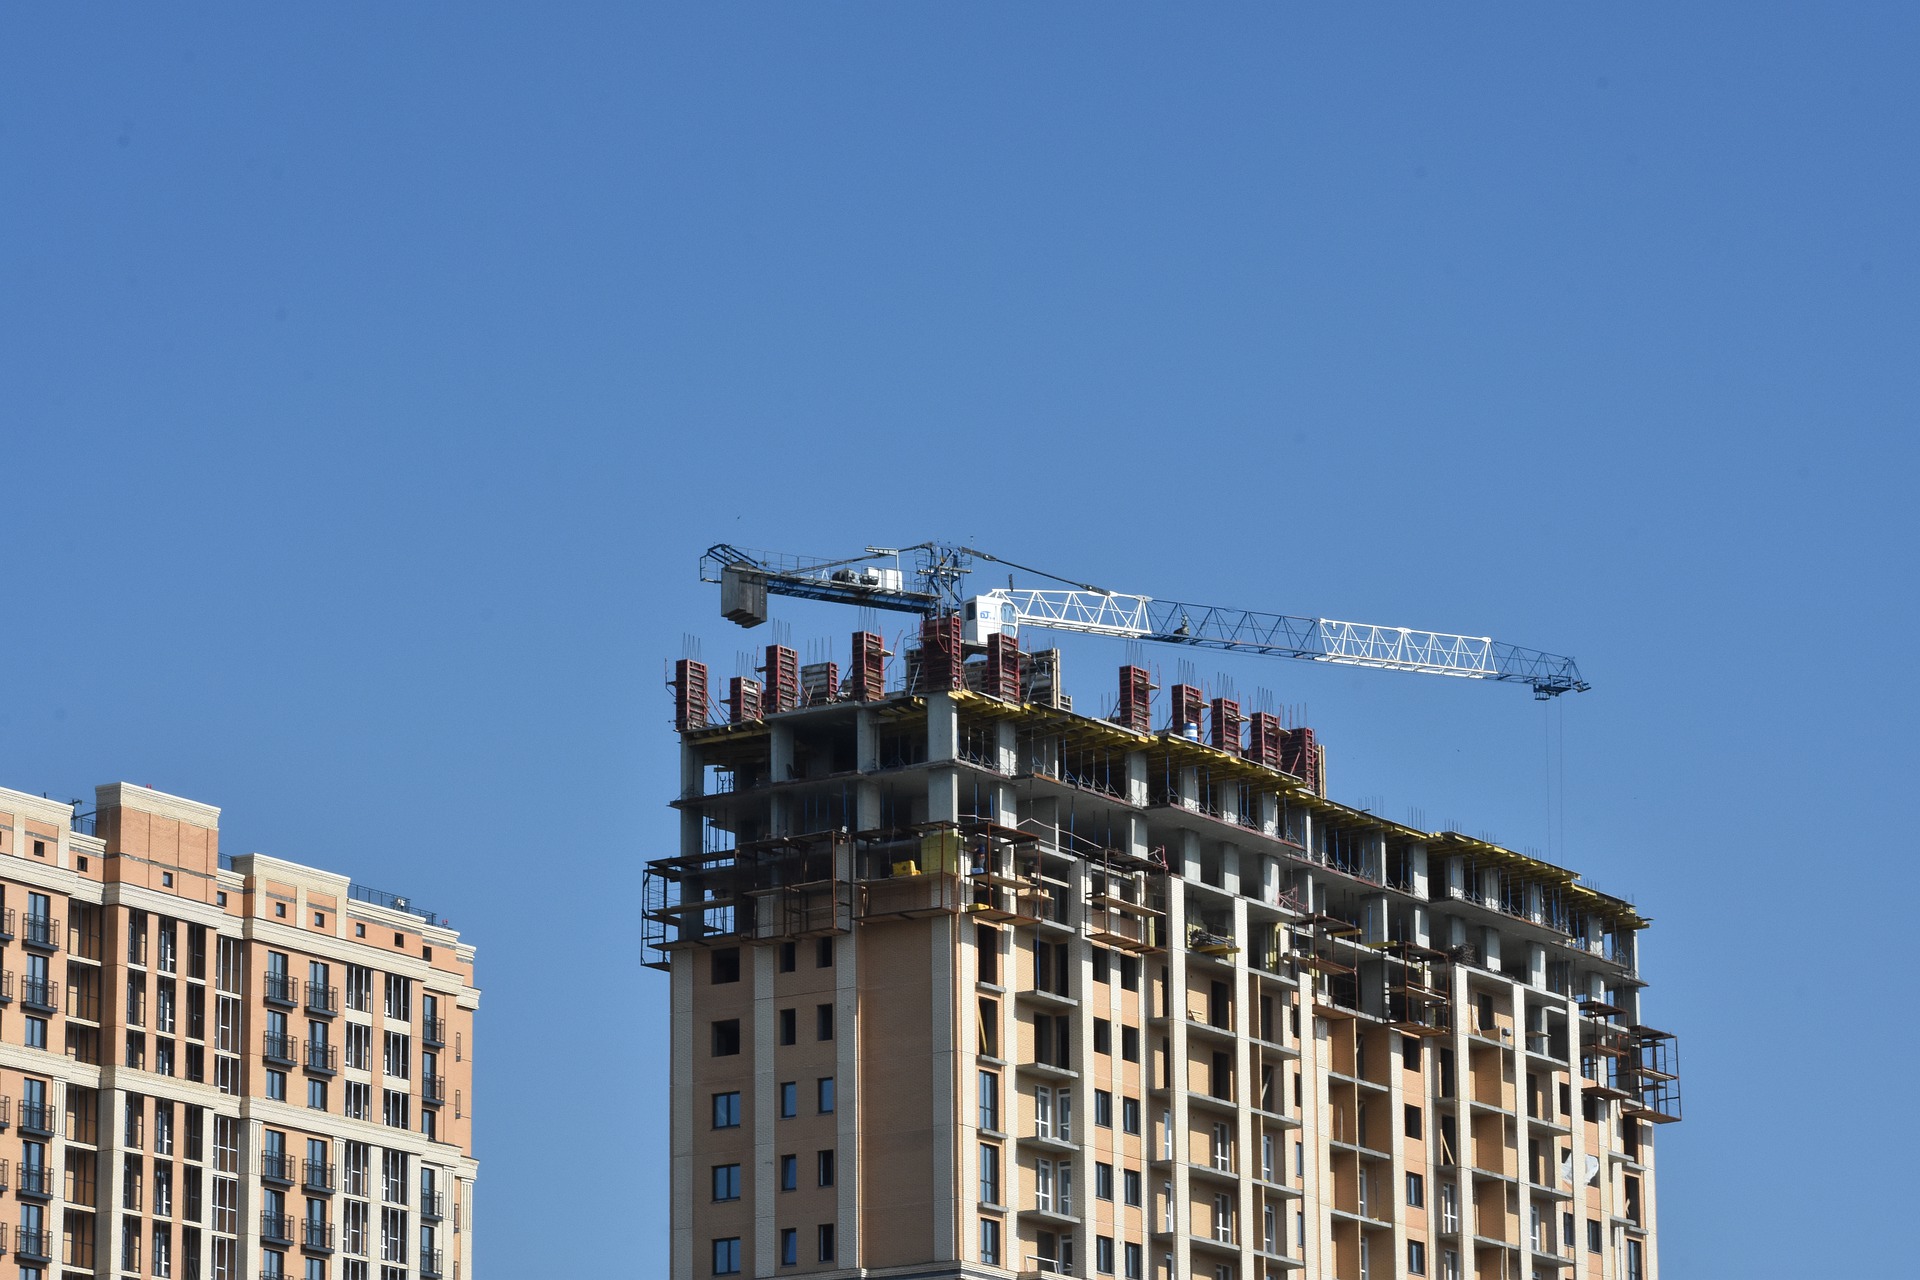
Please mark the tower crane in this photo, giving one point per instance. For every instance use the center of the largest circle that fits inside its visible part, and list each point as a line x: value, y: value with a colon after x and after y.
x: 746, y: 578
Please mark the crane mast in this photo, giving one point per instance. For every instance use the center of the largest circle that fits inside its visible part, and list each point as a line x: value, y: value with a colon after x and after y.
x: 747, y: 578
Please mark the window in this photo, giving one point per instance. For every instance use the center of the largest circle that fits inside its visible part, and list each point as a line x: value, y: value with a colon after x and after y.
x: 317, y: 1095
x: 1416, y: 1191
x: 789, y: 1026
x: 1130, y: 1044
x: 787, y: 957
x: 319, y: 919
x: 166, y: 879
x: 823, y: 1022
x: 826, y: 1242
x: 823, y: 954
x: 1103, y: 1255
x: 1416, y: 1258
x: 1413, y: 1121
x: 276, y: 1083
x: 1103, y: 1181
x: 1593, y: 1236
x: 1100, y: 955
x: 726, y: 1256
x: 359, y: 986
x: 726, y: 1110
x: 986, y: 944
x: 724, y: 966
x: 789, y: 1173
x: 36, y: 1034
x: 1130, y: 1186
x: 726, y: 1038
x: 989, y: 1173
x: 1130, y: 1115
x: 789, y: 1099
x: 394, y: 1109
x: 824, y: 1095
x: 990, y: 1101
x: 989, y: 1242
x: 1135, y: 1261
x: 1102, y: 1109
x: 280, y: 910
x: 789, y: 1246
x: 726, y: 1182
x: 1102, y: 1036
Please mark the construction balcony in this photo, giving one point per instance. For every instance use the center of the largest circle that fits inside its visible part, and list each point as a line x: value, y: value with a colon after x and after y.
x: 320, y: 1059
x: 276, y: 1167
x: 281, y: 990
x: 430, y: 1264
x: 278, y: 1050
x: 276, y: 1228
x: 433, y: 1033
x: 323, y: 1001
x: 432, y: 1206
x: 33, y: 1246
x: 316, y: 1177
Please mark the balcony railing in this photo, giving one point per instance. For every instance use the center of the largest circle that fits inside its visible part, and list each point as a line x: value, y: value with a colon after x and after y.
x: 316, y: 1235
x: 34, y: 1181
x: 322, y: 1059
x: 276, y: 1166
x: 42, y: 932
x: 6, y: 924
x: 317, y: 1176
x: 36, y: 1119
x: 40, y: 993
x: 322, y: 1000
x: 278, y: 1048
x: 33, y: 1246
x: 6, y: 987
x: 282, y: 989
x: 432, y: 1205
x: 276, y: 1228
x: 430, y: 1264
x: 433, y: 1090
x: 433, y: 1032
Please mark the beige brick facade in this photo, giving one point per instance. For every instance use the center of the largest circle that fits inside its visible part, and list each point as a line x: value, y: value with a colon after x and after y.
x: 222, y: 1067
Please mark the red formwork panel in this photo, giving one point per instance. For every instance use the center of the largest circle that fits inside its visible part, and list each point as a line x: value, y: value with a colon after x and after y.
x: 689, y: 695
x: 1226, y: 725
x: 743, y: 700
x: 1136, y: 700
x: 1003, y: 668
x: 867, y: 681
x: 783, y: 679
x: 1189, y: 705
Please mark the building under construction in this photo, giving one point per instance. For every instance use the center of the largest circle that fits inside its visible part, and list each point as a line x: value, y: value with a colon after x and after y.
x: 968, y: 983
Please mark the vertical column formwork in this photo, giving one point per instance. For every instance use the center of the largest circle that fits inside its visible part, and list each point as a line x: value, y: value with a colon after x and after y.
x: 1003, y: 668
x: 1263, y: 739
x: 783, y: 679
x: 1136, y: 700
x: 689, y: 695
x: 867, y: 680
x: 743, y: 700
x: 1225, y: 722
x: 941, y: 655
x: 1188, y: 703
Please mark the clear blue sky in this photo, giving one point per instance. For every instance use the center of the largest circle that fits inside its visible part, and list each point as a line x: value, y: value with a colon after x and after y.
x: 372, y: 376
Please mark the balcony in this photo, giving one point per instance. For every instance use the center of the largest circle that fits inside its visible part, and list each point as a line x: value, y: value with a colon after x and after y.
x: 277, y: 1049
x: 6, y: 1112
x: 33, y: 1246
x: 6, y: 924
x: 42, y: 933
x: 35, y: 1184
x: 42, y: 995
x: 36, y: 1120
x: 278, y: 988
x: 276, y: 1228
x: 317, y: 1177
x: 6, y: 987
x: 276, y: 1167
x: 433, y: 1090
x: 322, y: 1001
x: 430, y: 1264
x: 433, y: 1033
x: 432, y: 1205
x: 322, y: 1059
x: 316, y: 1236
